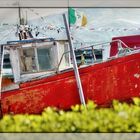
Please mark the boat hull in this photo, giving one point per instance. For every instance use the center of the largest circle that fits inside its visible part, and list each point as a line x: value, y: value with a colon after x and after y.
x: 115, y: 79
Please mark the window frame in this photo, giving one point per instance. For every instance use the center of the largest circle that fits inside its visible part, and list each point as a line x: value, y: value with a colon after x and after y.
x: 35, y: 46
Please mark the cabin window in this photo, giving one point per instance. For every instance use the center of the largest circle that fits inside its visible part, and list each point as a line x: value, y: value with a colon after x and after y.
x: 27, y: 60
x: 37, y: 58
x: 7, y: 70
x: 67, y: 55
x: 6, y: 64
x: 98, y: 54
x: 45, y: 58
x: 84, y: 56
x: 89, y: 56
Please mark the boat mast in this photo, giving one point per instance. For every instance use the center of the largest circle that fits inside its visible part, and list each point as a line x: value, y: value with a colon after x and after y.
x: 19, y: 14
x: 22, y: 21
x: 20, y: 34
x: 24, y: 31
x: 77, y: 76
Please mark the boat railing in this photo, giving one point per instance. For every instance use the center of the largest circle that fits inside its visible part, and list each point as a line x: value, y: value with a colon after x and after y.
x: 57, y: 69
x: 120, y: 43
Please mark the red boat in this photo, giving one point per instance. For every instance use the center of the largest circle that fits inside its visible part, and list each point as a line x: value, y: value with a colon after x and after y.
x: 36, y: 84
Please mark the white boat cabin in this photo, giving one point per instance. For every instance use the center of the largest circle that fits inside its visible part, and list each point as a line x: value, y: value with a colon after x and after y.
x: 36, y: 57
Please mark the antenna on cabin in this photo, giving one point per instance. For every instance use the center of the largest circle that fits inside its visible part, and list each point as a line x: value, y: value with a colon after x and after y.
x: 21, y: 19
x: 19, y: 14
x: 24, y: 31
x: 26, y: 18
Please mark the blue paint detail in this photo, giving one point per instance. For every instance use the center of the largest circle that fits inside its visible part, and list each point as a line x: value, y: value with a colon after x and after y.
x: 31, y: 40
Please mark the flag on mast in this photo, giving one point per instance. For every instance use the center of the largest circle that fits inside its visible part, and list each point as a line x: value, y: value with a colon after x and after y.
x: 77, y: 18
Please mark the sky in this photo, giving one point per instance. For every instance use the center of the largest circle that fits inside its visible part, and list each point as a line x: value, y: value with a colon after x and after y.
x: 102, y: 25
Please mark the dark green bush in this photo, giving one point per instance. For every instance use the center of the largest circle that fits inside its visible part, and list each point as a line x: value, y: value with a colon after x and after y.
x: 122, y: 117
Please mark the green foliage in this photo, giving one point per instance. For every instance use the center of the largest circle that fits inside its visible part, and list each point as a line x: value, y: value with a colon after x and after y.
x: 122, y: 117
